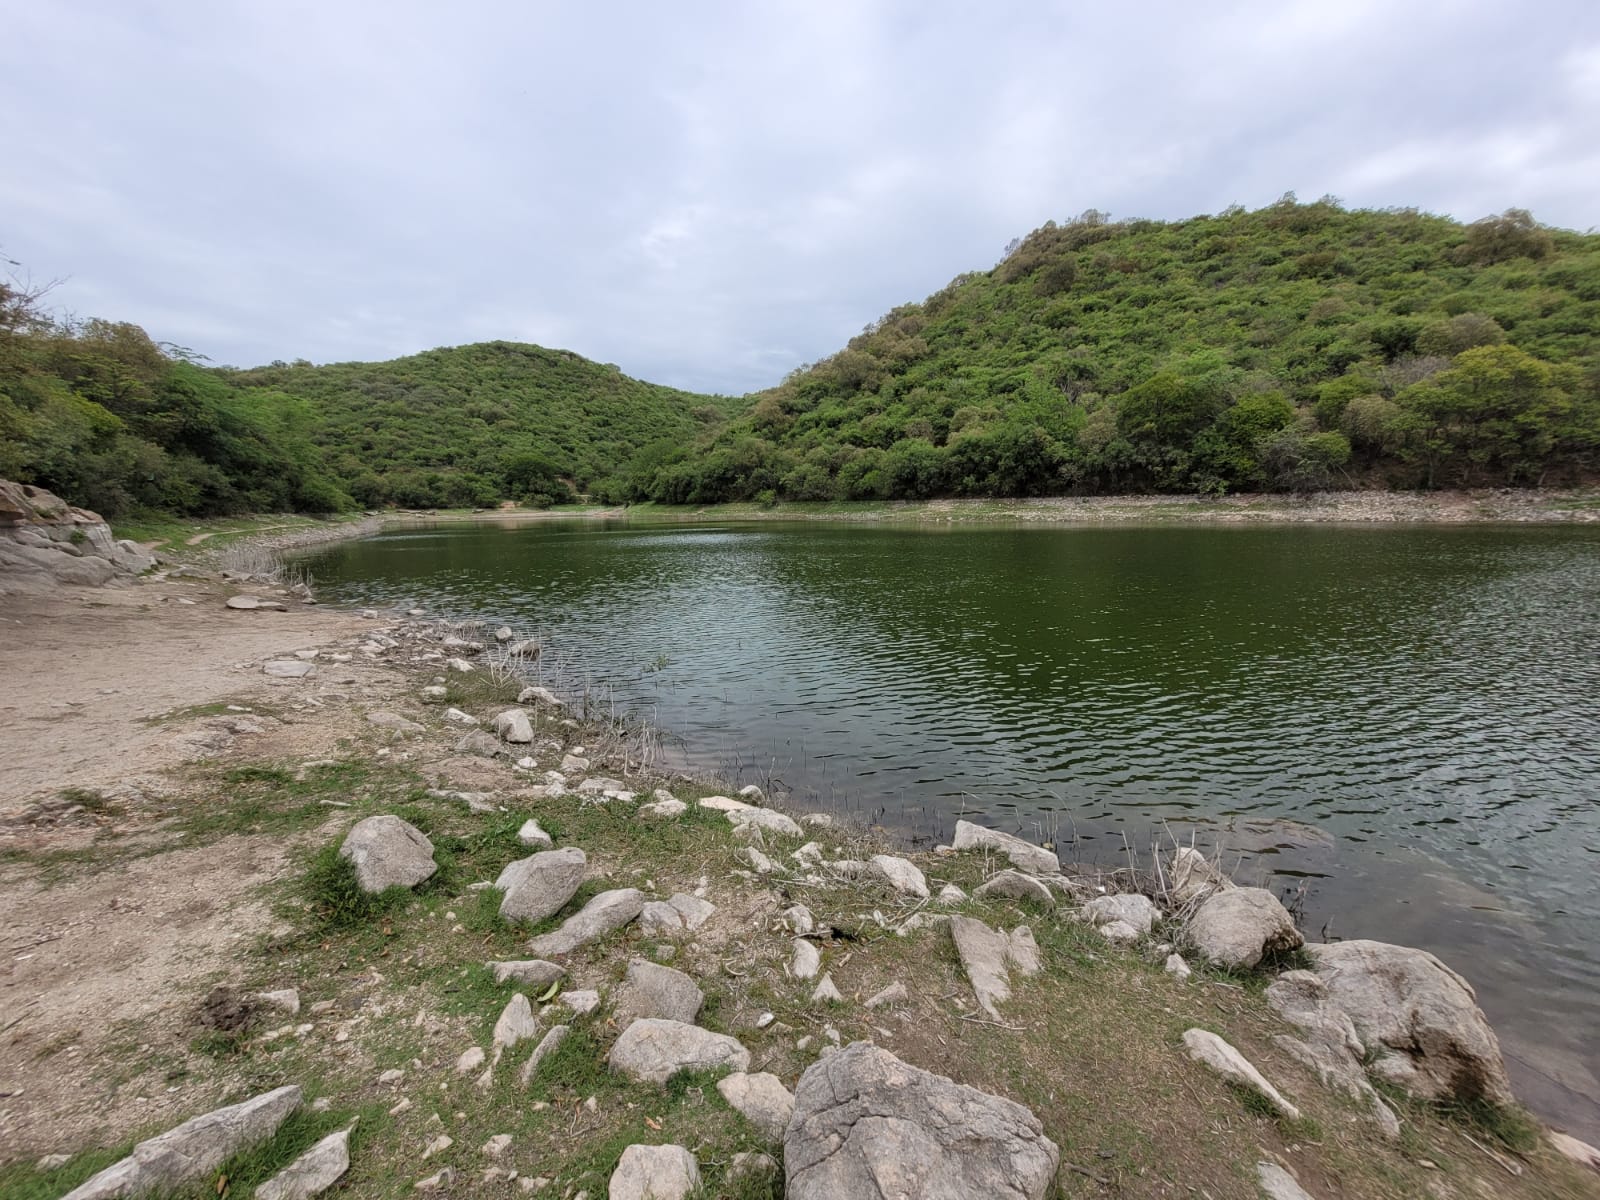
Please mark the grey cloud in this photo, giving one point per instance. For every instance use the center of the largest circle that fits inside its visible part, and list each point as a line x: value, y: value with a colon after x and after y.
x: 709, y: 195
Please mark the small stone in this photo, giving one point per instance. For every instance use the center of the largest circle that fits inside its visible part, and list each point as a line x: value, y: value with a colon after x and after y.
x: 513, y: 726
x: 750, y: 1164
x: 654, y: 1173
x: 497, y: 1145
x: 662, y: 809
x: 438, y: 1146
x: 826, y: 992
x: 1124, y: 918
x: 651, y: 990
x: 1177, y: 968
x: 1278, y: 1184
x: 285, y: 1000
x: 798, y: 917
x: 900, y: 874
x: 1036, y: 860
x: 546, y: 1047
x: 531, y: 973
x: 723, y: 804
x: 757, y: 860
x: 313, y: 1173
x: 893, y: 994
x: 764, y: 818
x: 807, y: 960
x: 394, y: 721
x: 1238, y: 927
x: 435, y: 1181
x: 470, y: 1060
x: 761, y: 1099
x: 51, y: 1161
x: 579, y: 1003
x: 1207, y: 1048
x: 516, y: 1022
x: 951, y: 894
x: 392, y: 1075
x: 403, y: 1106
x: 532, y: 835
x: 1014, y: 885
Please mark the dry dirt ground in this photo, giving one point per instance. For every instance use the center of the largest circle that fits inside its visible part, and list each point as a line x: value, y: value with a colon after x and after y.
x: 99, y: 695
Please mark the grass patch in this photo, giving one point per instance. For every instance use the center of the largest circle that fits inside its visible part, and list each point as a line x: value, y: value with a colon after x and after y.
x: 1509, y: 1125
x: 337, y: 899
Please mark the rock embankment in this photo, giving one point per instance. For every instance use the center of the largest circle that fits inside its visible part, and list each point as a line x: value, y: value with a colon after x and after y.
x: 46, y: 543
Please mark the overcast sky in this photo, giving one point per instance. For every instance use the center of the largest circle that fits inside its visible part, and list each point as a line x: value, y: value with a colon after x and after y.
x: 709, y: 195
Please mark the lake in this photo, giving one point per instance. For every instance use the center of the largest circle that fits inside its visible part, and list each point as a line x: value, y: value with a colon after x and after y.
x: 1396, y: 728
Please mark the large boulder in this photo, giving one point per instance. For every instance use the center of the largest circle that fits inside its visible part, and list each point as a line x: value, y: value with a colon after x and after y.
x: 541, y: 884
x: 193, y: 1150
x: 1238, y: 927
x: 388, y: 852
x: 605, y: 913
x: 654, y: 1049
x: 1025, y: 856
x: 651, y: 990
x: 45, y: 542
x: 868, y: 1126
x: 1419, y: 1015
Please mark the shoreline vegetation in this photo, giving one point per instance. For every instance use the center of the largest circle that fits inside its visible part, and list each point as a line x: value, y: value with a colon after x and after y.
x: 1160, y: 1051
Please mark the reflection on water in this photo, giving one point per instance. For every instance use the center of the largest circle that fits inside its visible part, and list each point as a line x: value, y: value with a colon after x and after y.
x: 1401, y: 724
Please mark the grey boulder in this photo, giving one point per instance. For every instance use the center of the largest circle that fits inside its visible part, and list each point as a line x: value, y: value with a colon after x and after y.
x: 541, y: 884
x: 193, y: 1150
x: 605, y: 913
x: 529, y: 972
x: 1014, y: 885
x: 1419, y: 1015
x: 513, y: 726
x: 867, y: 1126
x: 654, y: 1050
x: 651, y: 990
x: 388, y: 852
x: 1239, y: 927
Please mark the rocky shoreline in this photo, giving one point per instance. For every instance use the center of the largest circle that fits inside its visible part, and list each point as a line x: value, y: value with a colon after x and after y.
x: 507, y: 957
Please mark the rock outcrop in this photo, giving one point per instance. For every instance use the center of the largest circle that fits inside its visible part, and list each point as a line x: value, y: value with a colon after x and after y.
x: 1419, y: 1015
x: 867, y: 1125
x: 46, y: 543
x: 193, y: 1150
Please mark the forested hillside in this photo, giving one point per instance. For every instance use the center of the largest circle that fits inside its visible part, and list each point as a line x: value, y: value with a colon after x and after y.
x: 475, y: 424
x: 1299, y: 346
x: 106, y: 418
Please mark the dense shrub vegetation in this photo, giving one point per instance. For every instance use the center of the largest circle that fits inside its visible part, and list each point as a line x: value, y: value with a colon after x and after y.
x: 1301, y: 346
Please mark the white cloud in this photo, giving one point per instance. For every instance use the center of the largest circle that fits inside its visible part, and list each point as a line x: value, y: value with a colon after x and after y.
x: 706, y: 194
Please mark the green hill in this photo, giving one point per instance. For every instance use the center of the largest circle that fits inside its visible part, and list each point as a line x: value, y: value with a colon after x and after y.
x: 103, y: 416
x: 475, y: 424
x: 1294, y: 347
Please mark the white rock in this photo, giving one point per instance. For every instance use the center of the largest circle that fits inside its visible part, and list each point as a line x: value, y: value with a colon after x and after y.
x: 542, y: 694
x: 460, y: 665
x: 605, y: 913
x: 540, y: 885
x: 1239, y: 927
x: 757, y: 860
x: 893, y: 994
x: 533, y: 973
x: 655, y: 1050
x: 513, y: 726
x: 388, y: 852
x: 1122, y: 918
x: 662, y: 809
x: 580, y: 1003
x: 1014, y: 885
x: 761, y: 1099
x: 438, y: 1146
x: 1193, y: 877
x: 546, y: 1047
x: 1570, y: 1147
x: 456, y: 717
x: 1207, y: 1048
x: 806, y: 961
x: 826, y: 992
x: 392, y: 1075
x: 651, y: 990
x: 313, y: 1173
x: 1278, y: 1184
x: 798, y: 918
x: 393, y: 721
x: 1177, y: 968
x: 497, y: 1145
x: 654, y: 1173
x: 192, y: 1151
x: 723, y: 804
x: 951, y: 894
x: 437, y: 1180
x: 1025, y: 856
x: 988, y: 955
x: 516, y: 1022
x: 471, y: 1059
x: 764, y: 818
x: 900, y: 874
x: 532, y: 835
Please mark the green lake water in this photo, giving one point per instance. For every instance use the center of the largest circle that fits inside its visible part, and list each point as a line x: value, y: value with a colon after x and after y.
x: 1398, y: 729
